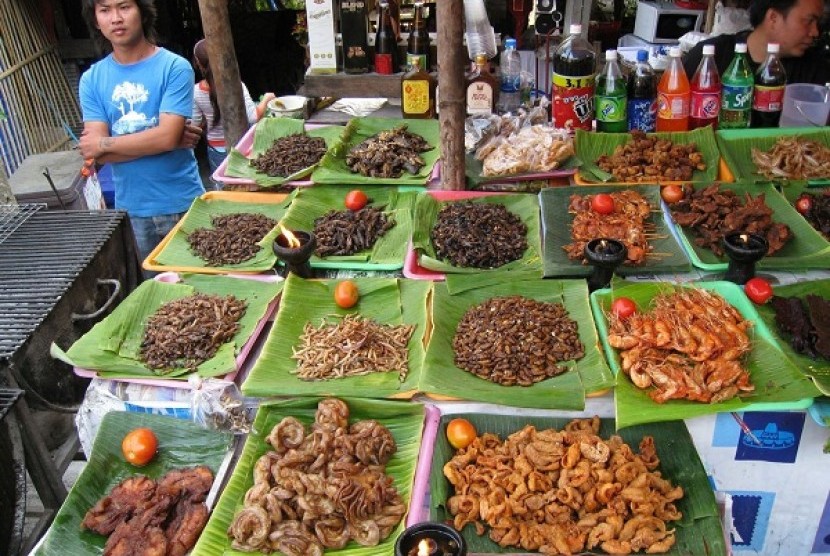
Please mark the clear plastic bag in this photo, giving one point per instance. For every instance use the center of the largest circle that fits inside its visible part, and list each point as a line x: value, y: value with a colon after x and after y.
x: 219, y: 405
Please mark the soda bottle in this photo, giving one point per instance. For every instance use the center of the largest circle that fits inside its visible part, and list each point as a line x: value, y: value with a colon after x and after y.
x: 642, y: 95
x: 610, y: 97
x: 673, y: 96
x: 510, y: 69
x: 706, y: 88
x: 386, y: 45
x: 574, y: 69
x: 736, y: 97
x: 768, y: 93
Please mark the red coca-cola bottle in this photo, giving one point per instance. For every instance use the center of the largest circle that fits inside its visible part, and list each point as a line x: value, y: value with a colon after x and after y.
x: 706, y: 90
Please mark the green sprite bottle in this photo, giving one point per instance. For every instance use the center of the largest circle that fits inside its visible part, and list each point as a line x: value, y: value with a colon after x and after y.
x: 610, y: 97
x: 736, y: 96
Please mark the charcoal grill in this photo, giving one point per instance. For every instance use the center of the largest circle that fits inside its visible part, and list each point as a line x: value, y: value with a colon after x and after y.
x: 60, y: 272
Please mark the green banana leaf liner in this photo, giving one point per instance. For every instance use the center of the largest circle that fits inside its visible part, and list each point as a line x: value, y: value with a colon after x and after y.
x: 698, y: 532
x: 473, y: 168
x: 817, y: 369
x: 779, y: 384
x: 525, y: 206
x: 181, y: 444
x: 736, y: 148
x: 793, y: 191
x: 590, y: 146
x: 404, y: 421
x: 556, y: 233
x: 334, y: 170
x: 267, y: 131
x: 566, y: 391
x: 385, y: 300
x: 805, y: 250
x: 112, y: 346
x: 389, y: 250
x: 177, y: 253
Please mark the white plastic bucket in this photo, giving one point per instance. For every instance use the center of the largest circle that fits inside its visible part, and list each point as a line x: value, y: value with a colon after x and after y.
x: 805, y: 105
x: 292, y: 106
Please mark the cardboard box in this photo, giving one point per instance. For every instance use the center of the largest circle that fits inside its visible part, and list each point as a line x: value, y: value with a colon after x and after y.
x: 321, y: 38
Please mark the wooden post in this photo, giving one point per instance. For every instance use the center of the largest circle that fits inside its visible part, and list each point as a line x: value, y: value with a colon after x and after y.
x: 451, y: 58
x: 216, y: 25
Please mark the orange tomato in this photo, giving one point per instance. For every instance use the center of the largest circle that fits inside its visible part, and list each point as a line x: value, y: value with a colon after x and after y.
x: 460, y: 433
x: 139, y: 446
x: 672, y: 193
x: 356, y: 200
x: 346, y: 294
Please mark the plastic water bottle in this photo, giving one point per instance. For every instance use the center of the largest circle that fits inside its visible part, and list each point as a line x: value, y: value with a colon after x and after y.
x: 510, y: 68
x: 736, y: 101
x: 642, y: 95
x: 768, y: 94
x: 610, y: 97
x: 574, y: 70
x: 706, y: 89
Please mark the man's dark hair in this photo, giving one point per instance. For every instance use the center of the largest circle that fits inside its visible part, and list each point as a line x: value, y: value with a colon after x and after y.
x: 758, y: 9
x: 148, y: 21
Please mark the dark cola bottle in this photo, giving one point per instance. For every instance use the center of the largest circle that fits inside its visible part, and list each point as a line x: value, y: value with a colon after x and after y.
x: 768, y: 93
x: 386, y: 45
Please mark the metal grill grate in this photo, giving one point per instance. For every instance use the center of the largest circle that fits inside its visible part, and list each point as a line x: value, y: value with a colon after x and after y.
x: 12, y: 216
x: 8, y: 397
x: 39, y: 261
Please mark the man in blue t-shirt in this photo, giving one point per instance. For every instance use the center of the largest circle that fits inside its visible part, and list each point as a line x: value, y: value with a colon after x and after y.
x: 135, y: 104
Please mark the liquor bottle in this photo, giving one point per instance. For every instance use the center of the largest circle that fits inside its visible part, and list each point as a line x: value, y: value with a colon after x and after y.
x: 510, y: 82
x: 706, y: 89
x: 736, y: 99
x: 574, y: 68
x: 482, y: 88
x: 610, y: 97
x: 353, y: 26
x: 418, y: 43
x: 642, y: 95
x: 673, y: 96
x: 417, y: 92
x: 386, y: 46
x: 768, y: 93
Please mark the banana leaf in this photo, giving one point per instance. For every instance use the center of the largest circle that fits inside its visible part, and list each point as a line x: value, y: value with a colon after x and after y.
x: 793, y: 191
x: 176, y: 253
x: 404, y: 421
x: 427, y: 206
x: 698, y: 532
x: 386, y: 300
x: 779, y: 384
x: 566, y: 391
x: 736, y: 148
x: 806, y: 249
x: 267, y: 131
x: 181, y: 444
x: 817, y: 369
x: 334, y: 170
x: 556, y: 233
x: 590, y: 146
x: 112, y: 346
x: 390, y: 249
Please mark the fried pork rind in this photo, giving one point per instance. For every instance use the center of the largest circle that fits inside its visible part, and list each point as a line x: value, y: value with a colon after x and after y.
x: 319, y: 489
x: 537, y: 148
x: 563, y: 492
x: 794, y: 158
x: 649, y: 159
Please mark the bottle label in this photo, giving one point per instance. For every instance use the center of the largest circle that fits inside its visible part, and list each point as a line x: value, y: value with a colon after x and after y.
x: 736, y: 97
x: 415, y: 97
x: 705, y: 105
x: 672, y: 106
x: 383, y: 64
x: 511, y: 83
x: 610, y: 109
x: 642, y: 114
x: 768, y: 99
x: 422, y: 58
x: 573, y: 101
x: 479, y: 98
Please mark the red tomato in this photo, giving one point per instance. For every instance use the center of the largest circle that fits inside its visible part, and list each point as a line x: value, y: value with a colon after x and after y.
x: 460, y: 433
x: 672, y: 193
x: 623, y: 307
x: 139, y: 446
x: 602, y: 203
x: 804, y: 204
x: 356, y: 200
x: 758, y: 290
x: 346, y: 294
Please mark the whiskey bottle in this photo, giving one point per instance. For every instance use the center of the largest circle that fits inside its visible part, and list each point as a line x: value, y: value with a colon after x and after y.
x: 482, y: 88
x: 417, y: 92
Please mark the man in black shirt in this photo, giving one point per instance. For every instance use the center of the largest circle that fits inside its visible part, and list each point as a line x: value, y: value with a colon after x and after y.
x: 793, y: 24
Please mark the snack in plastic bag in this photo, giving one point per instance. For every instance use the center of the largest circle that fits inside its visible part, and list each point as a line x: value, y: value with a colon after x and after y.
x: 219, y: 405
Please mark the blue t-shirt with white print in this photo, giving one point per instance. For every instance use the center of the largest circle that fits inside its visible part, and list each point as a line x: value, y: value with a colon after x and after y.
x: 130, y: 98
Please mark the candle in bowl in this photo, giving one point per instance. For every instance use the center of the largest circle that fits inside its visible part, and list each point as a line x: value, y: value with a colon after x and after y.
x: 605, y: 255
x: 294, y: 248
x: 744, y: 250
x: 430, y: 539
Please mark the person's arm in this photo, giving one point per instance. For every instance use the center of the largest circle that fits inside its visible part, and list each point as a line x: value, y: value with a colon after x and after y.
x: 171, y: 133
x: 253, y: 110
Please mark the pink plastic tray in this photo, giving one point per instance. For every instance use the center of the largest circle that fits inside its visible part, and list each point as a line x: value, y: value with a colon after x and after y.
x: 172, y: 278
x: 411, y: 268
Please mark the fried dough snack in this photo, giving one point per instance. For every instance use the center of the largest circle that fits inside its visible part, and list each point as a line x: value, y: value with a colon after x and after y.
x: 794, y: 158
x: 561, y: 492
x: 536, y: 148
x: 319, y: 489
x: 688, y: 346
x: 649, y: 159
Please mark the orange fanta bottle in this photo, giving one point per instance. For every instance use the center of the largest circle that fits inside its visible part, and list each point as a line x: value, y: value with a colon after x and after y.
x: 673, y: 96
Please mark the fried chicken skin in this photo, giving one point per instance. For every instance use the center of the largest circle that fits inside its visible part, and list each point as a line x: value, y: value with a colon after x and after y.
x: 123, y: 501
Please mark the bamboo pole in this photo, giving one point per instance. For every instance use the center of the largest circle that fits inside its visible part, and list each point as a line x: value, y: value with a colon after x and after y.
x: 216, y: 25
x: 451, y: 58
